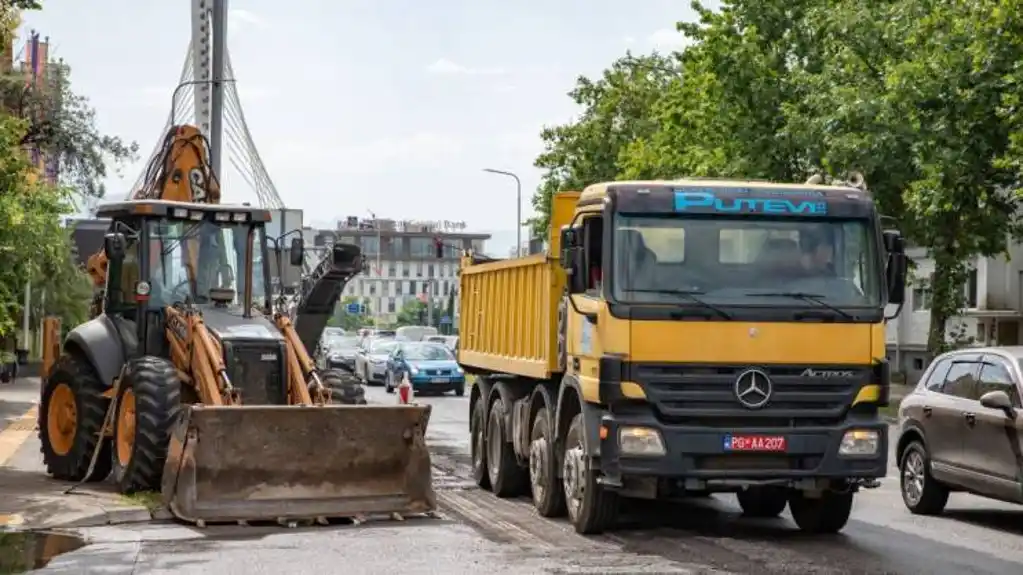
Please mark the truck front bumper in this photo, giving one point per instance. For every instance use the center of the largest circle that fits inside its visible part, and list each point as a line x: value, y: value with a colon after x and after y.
x: 702, y: 453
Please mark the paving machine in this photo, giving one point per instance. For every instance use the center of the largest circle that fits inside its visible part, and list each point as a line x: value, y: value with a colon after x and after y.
x: 189, y: 381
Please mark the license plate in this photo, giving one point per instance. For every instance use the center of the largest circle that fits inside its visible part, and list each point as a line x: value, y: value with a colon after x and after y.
x: 755, y: 443
x: 439, y: 380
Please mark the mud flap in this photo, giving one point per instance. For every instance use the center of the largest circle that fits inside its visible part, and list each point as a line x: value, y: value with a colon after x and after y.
x: 250, y: 463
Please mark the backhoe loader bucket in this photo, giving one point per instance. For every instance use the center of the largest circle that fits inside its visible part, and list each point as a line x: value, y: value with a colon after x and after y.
x: 265, y: 462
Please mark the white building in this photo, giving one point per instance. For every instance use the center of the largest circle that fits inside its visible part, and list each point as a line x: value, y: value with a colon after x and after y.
x: 993, y: 314
x: 408, y: 264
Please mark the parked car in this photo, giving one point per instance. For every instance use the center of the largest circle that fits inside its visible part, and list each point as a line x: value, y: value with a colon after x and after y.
x: 431, y: 367
x: 961, y: 429
x: 371, y: 359
x: 339, y: 352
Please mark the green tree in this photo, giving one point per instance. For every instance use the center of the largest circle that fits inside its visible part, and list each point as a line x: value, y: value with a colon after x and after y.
x: 350, y: 321
x: 414, y: 313
x: 615, y: 111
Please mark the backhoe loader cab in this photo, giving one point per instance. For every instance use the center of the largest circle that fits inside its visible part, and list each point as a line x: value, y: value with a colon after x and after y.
x: 190, y: 383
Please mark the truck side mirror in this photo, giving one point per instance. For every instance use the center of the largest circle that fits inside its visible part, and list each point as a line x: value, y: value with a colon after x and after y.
x: 296, y: 252
x: 569, y: 239
x: 115, y: 245
x: 895, y: 271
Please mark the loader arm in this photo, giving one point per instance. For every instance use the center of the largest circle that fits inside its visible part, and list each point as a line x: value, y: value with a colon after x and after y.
x: 198, y: 357
x: 300, y: 366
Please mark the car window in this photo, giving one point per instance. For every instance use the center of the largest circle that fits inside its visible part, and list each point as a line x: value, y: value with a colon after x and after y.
x: 428, y: 352
x: 996, y: 376
x: 961, y: 380
x: 937, y: 375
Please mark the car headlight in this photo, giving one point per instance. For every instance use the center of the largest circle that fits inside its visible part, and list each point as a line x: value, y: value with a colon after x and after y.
x: 859, y: 442
x: 458, y: 370
x: 640, y: 441
x: 413, y: 370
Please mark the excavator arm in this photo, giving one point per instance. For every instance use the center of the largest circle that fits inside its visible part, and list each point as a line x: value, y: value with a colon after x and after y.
x: 179, y: 172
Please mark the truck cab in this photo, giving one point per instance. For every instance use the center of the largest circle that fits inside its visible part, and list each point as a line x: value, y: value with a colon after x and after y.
x: 717, y: 336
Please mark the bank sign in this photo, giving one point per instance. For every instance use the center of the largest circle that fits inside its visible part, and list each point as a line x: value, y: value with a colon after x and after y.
x: 733, y: 201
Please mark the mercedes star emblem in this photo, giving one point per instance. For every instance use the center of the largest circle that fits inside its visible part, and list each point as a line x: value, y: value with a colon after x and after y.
x: 753, y: 388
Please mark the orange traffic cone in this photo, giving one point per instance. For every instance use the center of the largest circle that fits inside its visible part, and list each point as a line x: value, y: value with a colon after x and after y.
x: 404, y: 391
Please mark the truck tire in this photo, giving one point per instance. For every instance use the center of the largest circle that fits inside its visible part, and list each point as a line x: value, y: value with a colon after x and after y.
x: 825, y: 515
x: 507, y: 479
x: 345, y: 388
x: 478, y: 443
x: 148, y: 406
x: 71, y: 415
x: 592, y: 509
x: 548, y: 492
x: 763, y: 501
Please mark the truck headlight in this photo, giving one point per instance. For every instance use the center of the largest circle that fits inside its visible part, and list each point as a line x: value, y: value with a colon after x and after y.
x: 859, y: 442
x: 640, y: 441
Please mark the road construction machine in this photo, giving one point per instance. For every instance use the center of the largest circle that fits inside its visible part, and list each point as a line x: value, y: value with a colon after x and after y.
x: 682, y: 338
x: 191, y: 381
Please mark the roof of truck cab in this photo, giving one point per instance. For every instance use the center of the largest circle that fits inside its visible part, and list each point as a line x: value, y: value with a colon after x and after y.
x: 160, y: 208
x: 595, y: 192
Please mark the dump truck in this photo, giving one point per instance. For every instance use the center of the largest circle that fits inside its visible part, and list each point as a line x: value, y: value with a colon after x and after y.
x: 192, y: 380
x: 687, y: 337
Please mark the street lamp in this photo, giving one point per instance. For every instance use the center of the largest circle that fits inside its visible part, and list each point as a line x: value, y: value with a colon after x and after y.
x: 518, y: 207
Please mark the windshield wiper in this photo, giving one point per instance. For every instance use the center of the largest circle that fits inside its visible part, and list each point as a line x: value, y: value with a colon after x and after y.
x: 804, y: 296
x: 692, y: 295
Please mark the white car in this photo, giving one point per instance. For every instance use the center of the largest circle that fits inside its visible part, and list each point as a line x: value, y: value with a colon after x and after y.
x: 371, y: 360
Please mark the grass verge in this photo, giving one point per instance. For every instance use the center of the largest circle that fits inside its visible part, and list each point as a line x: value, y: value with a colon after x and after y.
x: 151, y: 500
x: 892, y: 411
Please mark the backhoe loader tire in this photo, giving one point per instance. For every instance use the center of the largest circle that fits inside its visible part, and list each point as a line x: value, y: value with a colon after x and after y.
x: 345, y: 388
x: 152, y: 390
x: 73, y: 388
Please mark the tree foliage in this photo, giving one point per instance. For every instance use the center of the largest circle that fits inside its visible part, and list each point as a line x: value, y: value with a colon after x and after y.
x: 350, y: 321
x: 921, y: 96
x: 414, y: 312
x: 34, y: 245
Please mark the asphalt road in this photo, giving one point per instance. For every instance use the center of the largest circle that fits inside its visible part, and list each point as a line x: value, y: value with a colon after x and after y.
x: 480, y: 533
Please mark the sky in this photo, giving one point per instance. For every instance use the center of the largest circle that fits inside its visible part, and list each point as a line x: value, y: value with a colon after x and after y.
x: 388, y: 106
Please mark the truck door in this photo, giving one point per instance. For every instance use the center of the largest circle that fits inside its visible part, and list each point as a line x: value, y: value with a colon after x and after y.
x: 584, y: 344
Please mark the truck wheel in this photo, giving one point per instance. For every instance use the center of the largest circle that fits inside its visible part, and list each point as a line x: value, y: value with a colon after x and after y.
x: 345, y: 389
x: 762, y: 501
x: 548, y: 494
x: 591, y: 508
x: 148, y: 405
x: 921, y: 493
x: 478, y: 444
x: 71, y: 416
x: 828, y: 514
x: 507, y: 479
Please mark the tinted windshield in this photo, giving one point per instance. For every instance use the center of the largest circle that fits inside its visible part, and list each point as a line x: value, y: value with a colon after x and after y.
x: 427, y: 352
x: 741, y: 260
x: 191, y: 258
x: 382, y: 346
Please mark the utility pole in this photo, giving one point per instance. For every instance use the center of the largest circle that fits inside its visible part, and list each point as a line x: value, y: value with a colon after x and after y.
x: 518, y: 207
x: 379, y: 272
x: 219, y: 37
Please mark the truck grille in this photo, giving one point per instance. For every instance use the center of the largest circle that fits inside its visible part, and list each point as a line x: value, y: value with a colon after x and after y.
x: 705, y: 395
x: 259, y: 378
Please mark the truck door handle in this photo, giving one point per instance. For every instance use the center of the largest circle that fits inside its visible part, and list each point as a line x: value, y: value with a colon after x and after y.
x: 928, y: 410
x: 971, y: 418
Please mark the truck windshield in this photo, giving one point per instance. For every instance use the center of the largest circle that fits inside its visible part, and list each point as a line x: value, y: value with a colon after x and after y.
x: 746, y: 261
x: 191, y: 258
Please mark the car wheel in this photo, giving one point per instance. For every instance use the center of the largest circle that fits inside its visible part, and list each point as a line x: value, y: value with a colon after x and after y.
x: 921, y: 493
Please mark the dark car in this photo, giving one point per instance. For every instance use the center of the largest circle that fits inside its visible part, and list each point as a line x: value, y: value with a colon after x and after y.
x: 961, y: 429
x: 339, y: 352
x: 431, y: 368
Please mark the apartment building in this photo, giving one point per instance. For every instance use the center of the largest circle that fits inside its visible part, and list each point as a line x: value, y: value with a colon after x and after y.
x: 993, y: 313
x: 402, y: 261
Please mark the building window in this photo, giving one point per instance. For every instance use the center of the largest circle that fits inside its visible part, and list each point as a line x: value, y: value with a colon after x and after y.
x: 369, y: 245
x: 412, y: 288
x: 396, y: 246
x: 390, y: 305
x: 921, y: 298
x: 446, y: 288
x: 918, y: 364
x: 391, y: 270
x: 421, y: 247
x: 429, y: 270
x: 971, y: 290
x: 373, y: 288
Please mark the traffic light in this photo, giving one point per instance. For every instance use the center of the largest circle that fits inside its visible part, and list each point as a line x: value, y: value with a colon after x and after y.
x: 439, y: 246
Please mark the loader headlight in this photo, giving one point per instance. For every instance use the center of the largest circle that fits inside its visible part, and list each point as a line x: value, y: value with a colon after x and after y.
x: 640, y: 441
x: 859, y: 442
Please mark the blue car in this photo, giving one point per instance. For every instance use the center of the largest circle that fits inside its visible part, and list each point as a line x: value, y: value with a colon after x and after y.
x: 431, y: 368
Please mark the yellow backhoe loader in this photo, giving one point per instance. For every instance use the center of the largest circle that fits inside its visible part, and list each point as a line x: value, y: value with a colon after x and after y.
x: 188, y: 379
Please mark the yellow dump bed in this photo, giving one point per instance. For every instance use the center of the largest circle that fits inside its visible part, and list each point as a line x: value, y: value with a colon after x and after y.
x: 508, y: 316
